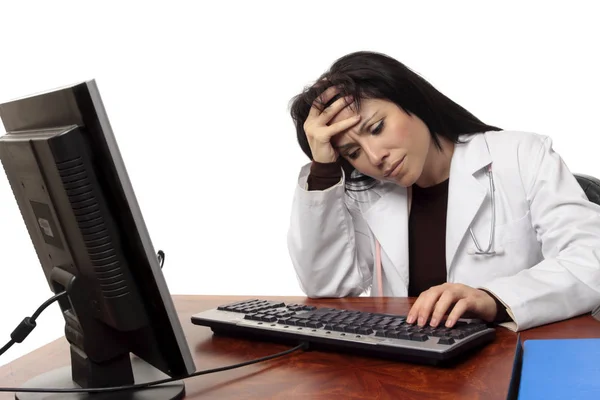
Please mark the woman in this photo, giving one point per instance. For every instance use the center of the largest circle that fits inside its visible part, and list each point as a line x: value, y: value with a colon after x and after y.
x: 409, y: 194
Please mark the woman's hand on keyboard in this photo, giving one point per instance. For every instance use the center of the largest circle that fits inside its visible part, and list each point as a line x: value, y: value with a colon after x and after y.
x: 437, y: 301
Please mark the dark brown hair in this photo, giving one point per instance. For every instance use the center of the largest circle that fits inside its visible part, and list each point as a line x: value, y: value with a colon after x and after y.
x: 369, y: 75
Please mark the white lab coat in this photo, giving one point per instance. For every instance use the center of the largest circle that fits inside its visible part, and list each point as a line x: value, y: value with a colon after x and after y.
x: 547, y: 233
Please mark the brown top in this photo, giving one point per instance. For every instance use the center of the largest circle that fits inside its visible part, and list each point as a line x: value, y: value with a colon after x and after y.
x: 323, y: 176
x: 426, y: 227
x: 427, y: 238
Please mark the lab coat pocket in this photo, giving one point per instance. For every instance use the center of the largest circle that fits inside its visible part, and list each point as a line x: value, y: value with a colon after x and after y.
x: 517, y: 240
x: 516, y: 230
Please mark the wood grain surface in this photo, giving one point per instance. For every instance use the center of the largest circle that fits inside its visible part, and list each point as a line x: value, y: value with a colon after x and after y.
x: 322, y: 375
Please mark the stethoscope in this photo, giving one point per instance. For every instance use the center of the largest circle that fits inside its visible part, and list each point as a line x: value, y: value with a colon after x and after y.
x: 490, y: 250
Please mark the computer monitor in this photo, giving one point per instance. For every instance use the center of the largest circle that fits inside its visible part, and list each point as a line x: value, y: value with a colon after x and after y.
x: 69, y: 180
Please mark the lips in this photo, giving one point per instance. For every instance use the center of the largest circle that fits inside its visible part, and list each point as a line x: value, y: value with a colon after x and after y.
x: 393, y: 167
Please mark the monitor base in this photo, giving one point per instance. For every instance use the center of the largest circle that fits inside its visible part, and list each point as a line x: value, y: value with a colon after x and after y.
x: 142, y: 372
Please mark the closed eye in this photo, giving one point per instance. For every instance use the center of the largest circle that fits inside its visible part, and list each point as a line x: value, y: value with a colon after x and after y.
x: 354, y: 155
x: 377, y: 128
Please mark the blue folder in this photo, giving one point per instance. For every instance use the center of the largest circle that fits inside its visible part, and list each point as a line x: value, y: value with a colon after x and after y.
x: 557, y: 369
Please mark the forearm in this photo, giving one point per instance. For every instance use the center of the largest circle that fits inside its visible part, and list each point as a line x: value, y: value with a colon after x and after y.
x: 322, y: 243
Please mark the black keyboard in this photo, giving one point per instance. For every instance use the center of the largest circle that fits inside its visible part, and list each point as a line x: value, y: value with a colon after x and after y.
x: 372, y: 334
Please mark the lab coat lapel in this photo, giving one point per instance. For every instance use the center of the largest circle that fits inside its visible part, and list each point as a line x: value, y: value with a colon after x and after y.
x: 465, y: 193
x: 388, y: 220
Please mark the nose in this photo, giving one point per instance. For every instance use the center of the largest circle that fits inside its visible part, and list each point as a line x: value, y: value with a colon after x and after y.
x: 375, y: 153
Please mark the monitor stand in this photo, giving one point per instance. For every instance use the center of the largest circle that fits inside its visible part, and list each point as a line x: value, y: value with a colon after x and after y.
x: 142, y: 372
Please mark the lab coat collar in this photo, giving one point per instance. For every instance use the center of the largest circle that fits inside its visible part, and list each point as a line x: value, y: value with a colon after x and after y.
x: 472, y: 154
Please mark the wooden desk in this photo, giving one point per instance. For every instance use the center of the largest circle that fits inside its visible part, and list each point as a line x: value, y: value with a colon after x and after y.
x: 316, y: 375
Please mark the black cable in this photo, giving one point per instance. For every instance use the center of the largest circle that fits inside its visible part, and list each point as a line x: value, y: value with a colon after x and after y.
x: 161, y: 258
x: 302, y: 346
x: 45, y: 305
x: 28, y: 324
x: 6, y: 346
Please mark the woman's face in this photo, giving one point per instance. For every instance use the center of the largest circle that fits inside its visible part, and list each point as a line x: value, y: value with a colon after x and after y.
x: 387, y: 144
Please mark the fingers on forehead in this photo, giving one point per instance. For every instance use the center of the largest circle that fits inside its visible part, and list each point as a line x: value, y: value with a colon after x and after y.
x: 329, y: 95
x: 344, y: 113
x: 336, y: 139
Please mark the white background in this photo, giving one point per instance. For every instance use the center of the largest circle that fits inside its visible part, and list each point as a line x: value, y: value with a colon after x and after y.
x: 198, y: 96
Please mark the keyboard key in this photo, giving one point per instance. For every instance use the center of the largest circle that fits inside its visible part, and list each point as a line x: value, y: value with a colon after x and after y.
x: 419, y: 337
x: 314, y: 324
x: 235, y: 304
x: 351, y: 329
x: 478, y: 327
x: 446, y: 340
x: 327, y: 310
x: 365, y: 331
x: 436, y: 333
x: 391, y: 334
x: 458, y: 335
x: 310, y: 315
